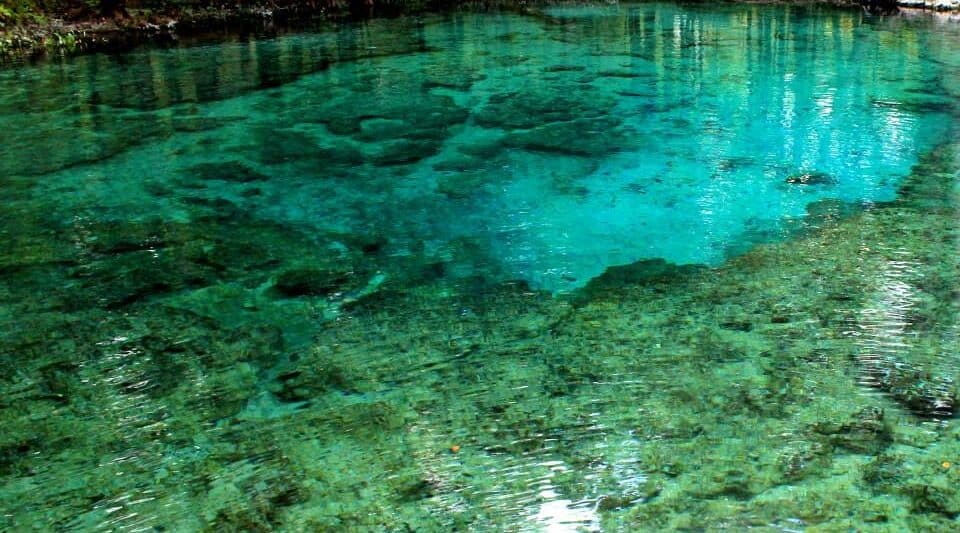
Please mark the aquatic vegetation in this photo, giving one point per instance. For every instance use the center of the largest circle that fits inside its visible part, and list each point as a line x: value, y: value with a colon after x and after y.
x: 628, y: 268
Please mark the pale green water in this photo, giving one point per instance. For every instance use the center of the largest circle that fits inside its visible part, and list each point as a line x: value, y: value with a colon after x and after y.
x: 265, y: 285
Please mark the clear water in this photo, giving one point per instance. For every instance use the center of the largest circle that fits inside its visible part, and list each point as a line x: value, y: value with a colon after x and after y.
x: 646, y: 267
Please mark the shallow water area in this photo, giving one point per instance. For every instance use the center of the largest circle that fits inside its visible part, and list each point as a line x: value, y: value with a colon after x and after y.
x: 635, y: 267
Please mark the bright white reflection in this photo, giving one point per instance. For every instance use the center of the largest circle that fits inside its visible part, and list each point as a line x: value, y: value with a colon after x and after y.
x: 560, y: 516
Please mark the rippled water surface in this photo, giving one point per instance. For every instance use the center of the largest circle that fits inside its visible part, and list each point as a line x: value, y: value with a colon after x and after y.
x: 619, y: 268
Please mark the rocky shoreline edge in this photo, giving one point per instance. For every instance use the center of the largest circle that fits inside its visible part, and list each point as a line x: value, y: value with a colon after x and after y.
x: 60, y: 37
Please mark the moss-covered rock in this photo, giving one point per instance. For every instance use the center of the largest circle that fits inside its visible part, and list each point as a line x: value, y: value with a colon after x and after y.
x: 592, y: 137
x: 865, y: 432
x: 532, y: 108
x: 231, y: 171
x: 315, y: 281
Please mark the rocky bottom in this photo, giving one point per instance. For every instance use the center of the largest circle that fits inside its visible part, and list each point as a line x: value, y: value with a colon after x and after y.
x: 201, y: 377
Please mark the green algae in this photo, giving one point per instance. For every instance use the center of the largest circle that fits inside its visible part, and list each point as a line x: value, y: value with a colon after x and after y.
x: 669, y: 399
x: 229, y: 372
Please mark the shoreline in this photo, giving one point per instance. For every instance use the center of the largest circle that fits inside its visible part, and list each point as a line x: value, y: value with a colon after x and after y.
x: 57, y: 37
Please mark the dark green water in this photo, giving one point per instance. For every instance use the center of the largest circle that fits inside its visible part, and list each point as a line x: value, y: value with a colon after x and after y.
x: 643, y: 267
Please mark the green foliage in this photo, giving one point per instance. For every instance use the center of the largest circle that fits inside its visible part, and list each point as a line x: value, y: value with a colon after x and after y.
x: 37, y: 11
x: 21, y: 11
x: 18, y: 12
x: 62, y: 42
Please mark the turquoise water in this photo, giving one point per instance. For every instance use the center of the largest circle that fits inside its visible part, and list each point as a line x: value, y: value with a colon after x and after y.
x: 556, y: 146
x: 633, y: 267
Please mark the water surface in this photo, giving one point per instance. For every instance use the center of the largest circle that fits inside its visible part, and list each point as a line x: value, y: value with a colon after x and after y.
x: 645, y: 267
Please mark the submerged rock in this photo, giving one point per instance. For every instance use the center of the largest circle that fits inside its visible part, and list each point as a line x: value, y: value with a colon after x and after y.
x: 565, y: 68
x: 461, y: 184
x: 799, y: 458
x: 313, y: 281
x: 318, y: 371
x: 456, y: 80
x: 234, y: 171
x: 811, y: 178
x: 389, y: 118
x: 195, y: 123
x: 335, y: 155
x: 625, y: 74
x: 832, y: 209
x: 276, y: 146
x: 403, y: 151
x: 640, y: 272
x: 864, y: 432
x: 484, y: 149
x: 459, y: 163
x: 291, y: 146
x: 524, y: 110
x: 580, y: 137
x: 117, y: 281
x: 919, y: 389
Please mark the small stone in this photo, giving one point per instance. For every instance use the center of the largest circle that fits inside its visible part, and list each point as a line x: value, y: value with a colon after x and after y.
x: 812, y: 178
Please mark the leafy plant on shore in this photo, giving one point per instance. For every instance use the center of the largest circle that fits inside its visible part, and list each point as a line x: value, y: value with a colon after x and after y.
x: 14, y: 12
